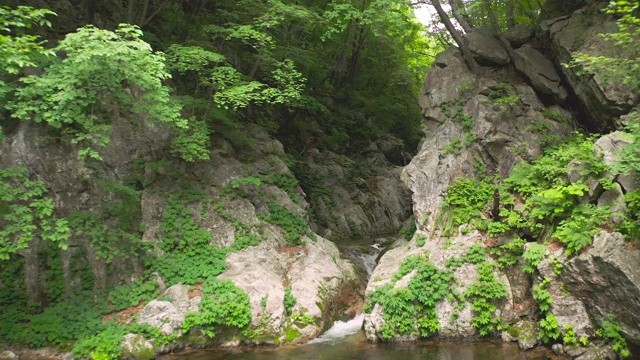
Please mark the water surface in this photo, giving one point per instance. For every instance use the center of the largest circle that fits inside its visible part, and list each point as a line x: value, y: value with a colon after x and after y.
x: 345, y: 341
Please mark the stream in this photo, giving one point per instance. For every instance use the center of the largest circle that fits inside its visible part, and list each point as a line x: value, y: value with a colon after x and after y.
x: 346, y: 340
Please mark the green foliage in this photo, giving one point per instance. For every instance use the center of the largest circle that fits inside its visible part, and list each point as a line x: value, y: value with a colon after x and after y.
x: 577, y: 231
x: 508, y: 254
x: 483, y: 294
x: 106, y: 344
x: 420, y: 240
x: 187, y: 256
x: 101, y: 70
x: 611, y: 331
x: 289, y: 300
x: 534, y: 254
x: 18, y: 49
x: 122, y: 297
x: 27, y: 213
x: 465, y: 200
x: 630, y: 225
x: 223, y: 304
x: 548, y: 323
x: 409, y: 231
x: 542, y: 295
x: 569, y: 336
x: 549, y: 328
x: 454, y: 147
x: 402, y: 306
x: 294, y: 225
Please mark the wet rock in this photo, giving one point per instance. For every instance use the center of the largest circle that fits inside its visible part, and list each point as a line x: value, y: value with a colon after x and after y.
x: 136, y: 347
x: 527, y: 334
x: 558, y: 349
x: 590, y: 353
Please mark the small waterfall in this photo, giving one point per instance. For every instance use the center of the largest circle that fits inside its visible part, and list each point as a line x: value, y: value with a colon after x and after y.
x: 365, y: 256
x: 340, y: 329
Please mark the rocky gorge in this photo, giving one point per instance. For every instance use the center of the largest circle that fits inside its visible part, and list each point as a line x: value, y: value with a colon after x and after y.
x: 243, y: 245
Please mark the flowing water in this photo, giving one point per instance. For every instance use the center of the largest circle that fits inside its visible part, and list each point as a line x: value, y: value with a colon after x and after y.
x: 346, y: 340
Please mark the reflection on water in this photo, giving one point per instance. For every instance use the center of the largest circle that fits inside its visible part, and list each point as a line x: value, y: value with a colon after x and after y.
x: 355, y: 347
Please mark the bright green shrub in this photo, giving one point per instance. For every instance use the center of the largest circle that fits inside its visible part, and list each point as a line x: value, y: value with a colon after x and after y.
x: 27, y: 212
x: 223, y: 304
x: 289, y: 300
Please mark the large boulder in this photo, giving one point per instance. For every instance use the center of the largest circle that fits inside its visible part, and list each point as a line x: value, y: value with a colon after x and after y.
x: 484, y: 44
x: 606, y: 278
x: 454, y: 320
x: 519, y: 34
x: 324, y: 285
x: 540, y: 71
x: 601, y: 102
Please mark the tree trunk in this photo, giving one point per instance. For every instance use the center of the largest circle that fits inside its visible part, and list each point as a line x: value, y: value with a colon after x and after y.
x: 511, y: 21
x: 91, y: 11
x: 460, y: 41
x: 496, y: 28
x: 130, y: 12
x: 455, y: 10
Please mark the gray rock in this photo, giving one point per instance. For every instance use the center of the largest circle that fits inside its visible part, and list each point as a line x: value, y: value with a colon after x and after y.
x: 316, y: 273
x: 519, y: 34
x: 566, y: 306
x: 606, y: 278
x: 614, y: 198
x: 590, y: 353
x: 135, y: 346
x: 608, y: 148
x: 601, y: 102
x: 163, y: 315
x: 8, y: 355
x: 527, y: 334
x: 458, y: 326
x: 483, y: 43
x: 558, y: 349
x: 540, y: 72
x: 366, y: 198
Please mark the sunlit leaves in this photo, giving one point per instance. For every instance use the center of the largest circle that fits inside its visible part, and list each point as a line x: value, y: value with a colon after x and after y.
x: 101, y: 75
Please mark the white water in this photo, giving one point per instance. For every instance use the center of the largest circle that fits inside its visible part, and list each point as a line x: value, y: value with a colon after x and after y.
x: 340, y: 329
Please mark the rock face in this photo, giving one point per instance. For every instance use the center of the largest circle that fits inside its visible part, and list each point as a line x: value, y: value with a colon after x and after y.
x: 497, y: 138
x: 484, y: 44
x: 168, y: 315
x: 454, y: 321
x: 484, y: 125
x: 606, y: 278
x: 316, y: 275
x: 357, y: 198
x: 600, y: 102
x: 540, y: 72
x: 325, y: 285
